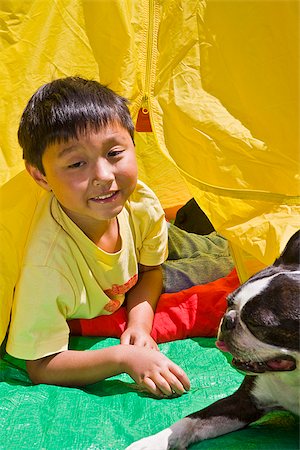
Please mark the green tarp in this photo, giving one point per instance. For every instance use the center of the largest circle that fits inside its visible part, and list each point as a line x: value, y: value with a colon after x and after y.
x: 111, y: 414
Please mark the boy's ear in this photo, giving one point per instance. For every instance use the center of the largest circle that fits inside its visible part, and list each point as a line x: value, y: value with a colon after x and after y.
x: 38, y: 177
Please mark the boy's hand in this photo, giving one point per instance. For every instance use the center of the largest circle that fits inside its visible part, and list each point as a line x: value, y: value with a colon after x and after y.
x: 155, y: 373
x: 138, y: 336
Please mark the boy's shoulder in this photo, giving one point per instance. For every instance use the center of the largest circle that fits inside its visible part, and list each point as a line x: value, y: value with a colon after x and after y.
x: 144, y: 209
x: 143, y: 197
x: 43, y: 233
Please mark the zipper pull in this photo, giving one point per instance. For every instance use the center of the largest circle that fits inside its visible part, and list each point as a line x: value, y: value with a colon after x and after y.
x: 143, y: 122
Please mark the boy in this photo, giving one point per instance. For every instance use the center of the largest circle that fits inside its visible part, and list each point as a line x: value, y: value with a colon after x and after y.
x: 97, y: 235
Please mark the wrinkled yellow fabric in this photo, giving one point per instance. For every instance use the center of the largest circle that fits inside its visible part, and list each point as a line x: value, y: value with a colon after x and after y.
x: 220, y: 80
x: 18, y: 199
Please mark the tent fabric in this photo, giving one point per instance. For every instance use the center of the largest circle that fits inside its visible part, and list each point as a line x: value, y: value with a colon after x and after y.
x: 219, y: 81
x: 18, y: 200
x: 112, y: 414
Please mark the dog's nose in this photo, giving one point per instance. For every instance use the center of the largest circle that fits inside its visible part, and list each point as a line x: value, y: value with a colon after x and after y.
x: 229, y: 321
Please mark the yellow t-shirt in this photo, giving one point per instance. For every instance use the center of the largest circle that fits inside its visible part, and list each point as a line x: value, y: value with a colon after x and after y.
x: 64, y: 275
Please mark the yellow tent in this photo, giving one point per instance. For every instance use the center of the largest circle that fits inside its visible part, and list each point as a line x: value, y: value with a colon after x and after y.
x: 218, y: 83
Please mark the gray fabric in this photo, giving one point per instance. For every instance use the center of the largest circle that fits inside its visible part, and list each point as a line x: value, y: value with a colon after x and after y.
x: 195, y: 259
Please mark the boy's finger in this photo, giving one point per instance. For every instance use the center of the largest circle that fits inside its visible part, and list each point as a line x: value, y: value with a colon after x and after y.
x: 181, y: 376
x: 175, y: 385
x: 152, y: 345
x: 168, y: 384
x: 125, y: 340
x: 151, y: 387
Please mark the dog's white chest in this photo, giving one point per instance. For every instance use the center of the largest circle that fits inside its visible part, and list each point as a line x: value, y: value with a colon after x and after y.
x: 279, y: 389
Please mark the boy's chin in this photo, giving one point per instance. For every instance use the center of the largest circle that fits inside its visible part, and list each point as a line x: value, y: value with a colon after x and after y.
x: 110, y: 214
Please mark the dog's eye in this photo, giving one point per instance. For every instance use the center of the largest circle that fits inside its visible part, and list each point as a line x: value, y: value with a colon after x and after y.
x: 230, y: 300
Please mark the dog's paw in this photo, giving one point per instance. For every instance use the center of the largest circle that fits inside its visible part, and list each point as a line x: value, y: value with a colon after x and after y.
x: 158, y: 441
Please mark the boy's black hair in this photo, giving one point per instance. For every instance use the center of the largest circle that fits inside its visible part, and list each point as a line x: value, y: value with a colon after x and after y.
x: 65, y: 108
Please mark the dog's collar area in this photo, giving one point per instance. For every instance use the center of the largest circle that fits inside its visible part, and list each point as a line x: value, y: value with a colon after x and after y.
x: 277, y: 364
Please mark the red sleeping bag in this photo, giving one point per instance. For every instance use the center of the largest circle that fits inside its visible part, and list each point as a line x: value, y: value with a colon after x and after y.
x: 196, y: 311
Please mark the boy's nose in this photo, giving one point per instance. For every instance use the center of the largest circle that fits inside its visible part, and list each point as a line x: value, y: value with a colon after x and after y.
x: 102, y: 174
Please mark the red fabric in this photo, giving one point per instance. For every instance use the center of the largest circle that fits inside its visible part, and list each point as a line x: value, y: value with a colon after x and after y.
x: 143, y: 123
x: 189, y: 313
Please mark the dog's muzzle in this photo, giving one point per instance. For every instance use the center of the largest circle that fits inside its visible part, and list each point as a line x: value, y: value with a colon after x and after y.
x: 229, y: 323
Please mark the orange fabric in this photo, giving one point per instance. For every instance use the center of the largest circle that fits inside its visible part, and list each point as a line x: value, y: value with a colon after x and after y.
x: 196, y: 311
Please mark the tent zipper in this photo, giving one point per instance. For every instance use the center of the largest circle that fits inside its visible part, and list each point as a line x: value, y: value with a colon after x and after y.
x: 143, y: 123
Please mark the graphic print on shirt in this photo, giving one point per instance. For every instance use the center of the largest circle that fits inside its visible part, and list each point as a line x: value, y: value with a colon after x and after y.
x: 118, y: 291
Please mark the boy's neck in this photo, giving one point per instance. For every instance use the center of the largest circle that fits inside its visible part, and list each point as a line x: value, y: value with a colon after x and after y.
x: 105, y: 234
x: 107, y: 238
x: 110, y: 239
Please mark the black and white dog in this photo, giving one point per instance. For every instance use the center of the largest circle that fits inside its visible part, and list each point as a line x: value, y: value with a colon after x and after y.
x: 261, y: 330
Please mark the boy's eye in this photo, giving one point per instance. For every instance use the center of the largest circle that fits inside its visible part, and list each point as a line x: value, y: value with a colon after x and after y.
x: 76, y: 165
x: 115, y: 152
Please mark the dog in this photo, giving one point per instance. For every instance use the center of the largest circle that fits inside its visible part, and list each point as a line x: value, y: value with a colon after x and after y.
x: 261, y: 330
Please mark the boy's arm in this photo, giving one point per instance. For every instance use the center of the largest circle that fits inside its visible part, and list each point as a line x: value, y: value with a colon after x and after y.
x: 141, y: 304
x: 151, y: 370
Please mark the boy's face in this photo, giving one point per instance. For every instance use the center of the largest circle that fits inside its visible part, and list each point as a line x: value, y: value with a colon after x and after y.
x: 91, y: 177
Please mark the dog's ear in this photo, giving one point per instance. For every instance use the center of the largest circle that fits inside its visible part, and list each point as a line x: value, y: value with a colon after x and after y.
x: 291, y: 253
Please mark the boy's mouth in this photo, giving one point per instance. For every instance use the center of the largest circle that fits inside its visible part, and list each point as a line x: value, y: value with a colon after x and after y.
x: 104, y: 197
